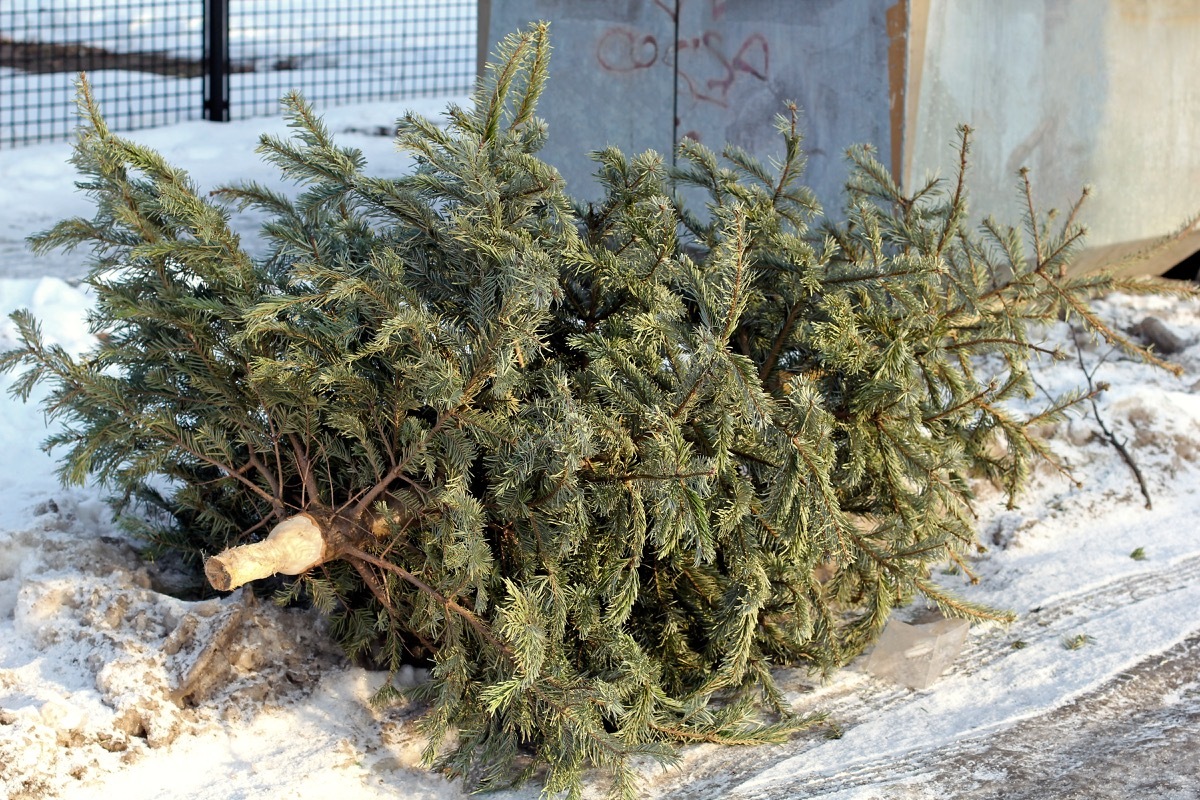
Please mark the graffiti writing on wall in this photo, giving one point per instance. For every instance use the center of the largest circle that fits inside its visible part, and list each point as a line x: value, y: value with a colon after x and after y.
x: 708, y: 67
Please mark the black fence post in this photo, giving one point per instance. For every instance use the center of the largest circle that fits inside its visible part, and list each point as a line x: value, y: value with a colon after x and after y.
x: 216, y: 60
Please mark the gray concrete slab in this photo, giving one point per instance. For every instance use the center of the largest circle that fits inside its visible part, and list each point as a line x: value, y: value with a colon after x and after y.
x: 739, y: 63
x: 610, y: 81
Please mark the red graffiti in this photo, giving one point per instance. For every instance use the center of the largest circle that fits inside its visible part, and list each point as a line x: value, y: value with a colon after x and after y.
x: 702, y: 62
x: 713, y: 89
x: 709, y: 74
x: 754, y: 57
x: 623, y: 50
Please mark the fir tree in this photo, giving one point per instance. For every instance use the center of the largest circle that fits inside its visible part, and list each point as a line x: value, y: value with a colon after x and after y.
x: 604, y: 466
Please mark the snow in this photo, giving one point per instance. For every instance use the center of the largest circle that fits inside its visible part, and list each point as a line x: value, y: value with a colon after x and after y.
x: 109, y: 685
x: 36, y: 182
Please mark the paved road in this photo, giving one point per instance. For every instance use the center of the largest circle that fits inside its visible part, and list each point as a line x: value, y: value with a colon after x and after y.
x: 1135, y: 738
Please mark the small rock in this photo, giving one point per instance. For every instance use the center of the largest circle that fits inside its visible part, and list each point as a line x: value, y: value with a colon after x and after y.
x: 252, y: 695
x: 247, y: 660
x: 113, y: 743
x: 114, y: 615
x: 1157, y: 333
x: 182, y: 636
x: 207, y: 608
x: 48, y: 507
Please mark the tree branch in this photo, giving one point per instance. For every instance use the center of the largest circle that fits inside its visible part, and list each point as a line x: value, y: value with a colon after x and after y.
x: 1108, y: 434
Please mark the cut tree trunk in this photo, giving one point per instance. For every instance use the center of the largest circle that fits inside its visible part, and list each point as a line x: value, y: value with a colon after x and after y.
x: 294, y: 546
x: 299, y: 543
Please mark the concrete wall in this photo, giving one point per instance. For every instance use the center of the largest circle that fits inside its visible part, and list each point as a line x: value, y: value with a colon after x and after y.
x: 740, y: 62
x: 641, y: 74
x: 608, y: 85
x: 1100, y: 92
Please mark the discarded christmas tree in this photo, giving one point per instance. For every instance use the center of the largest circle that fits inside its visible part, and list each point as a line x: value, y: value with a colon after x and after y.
x: 604, y: 467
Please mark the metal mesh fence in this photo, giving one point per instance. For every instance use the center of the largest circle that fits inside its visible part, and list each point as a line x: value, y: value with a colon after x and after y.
x: 148, y: 60
x: 339, y: 52
x: 144, y: 60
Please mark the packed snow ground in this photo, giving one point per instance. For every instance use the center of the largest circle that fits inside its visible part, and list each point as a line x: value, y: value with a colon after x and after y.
x: 112, y: 687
